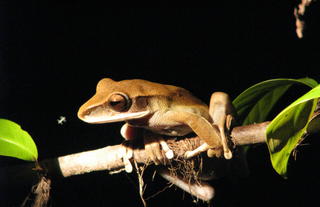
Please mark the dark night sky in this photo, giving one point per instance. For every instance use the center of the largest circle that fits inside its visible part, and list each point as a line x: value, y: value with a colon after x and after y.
x: 53, y: 54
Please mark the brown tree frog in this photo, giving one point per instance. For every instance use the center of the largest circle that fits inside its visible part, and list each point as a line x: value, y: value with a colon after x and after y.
x: 163, y: 110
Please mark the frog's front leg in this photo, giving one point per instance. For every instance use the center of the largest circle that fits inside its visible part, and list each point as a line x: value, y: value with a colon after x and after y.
x: 155, y: 147
x: 221, y: 111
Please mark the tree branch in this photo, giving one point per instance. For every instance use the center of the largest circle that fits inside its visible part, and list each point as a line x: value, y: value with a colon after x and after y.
x: 110, y: 157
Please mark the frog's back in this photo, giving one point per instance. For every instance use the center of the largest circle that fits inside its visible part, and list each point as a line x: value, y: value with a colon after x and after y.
x: 177, y: 98
x: 148, y: 88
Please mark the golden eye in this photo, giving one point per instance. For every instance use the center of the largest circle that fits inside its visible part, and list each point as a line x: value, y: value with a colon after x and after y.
x: 119, y: 102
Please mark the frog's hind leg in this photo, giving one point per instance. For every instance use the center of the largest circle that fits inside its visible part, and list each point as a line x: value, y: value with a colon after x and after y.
x: 204, y: 129
x: 221, y: 110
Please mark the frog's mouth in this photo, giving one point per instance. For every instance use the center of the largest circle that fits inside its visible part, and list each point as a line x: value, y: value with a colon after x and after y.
x: 99, y: 117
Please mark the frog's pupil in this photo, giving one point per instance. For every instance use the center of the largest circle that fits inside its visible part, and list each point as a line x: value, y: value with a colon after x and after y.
x: 118, y: 105
x: 114, y: 103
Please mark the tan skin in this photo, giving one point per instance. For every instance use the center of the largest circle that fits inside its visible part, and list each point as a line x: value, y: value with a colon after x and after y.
x: 161, y: 110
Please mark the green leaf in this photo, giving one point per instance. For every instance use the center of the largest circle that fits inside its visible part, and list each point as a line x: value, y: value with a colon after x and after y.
x: 254, y: 104
x: 15, y: 142
x: 287, y: 128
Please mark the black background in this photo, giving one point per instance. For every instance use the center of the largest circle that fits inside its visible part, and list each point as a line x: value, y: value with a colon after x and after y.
x: 53, y: 54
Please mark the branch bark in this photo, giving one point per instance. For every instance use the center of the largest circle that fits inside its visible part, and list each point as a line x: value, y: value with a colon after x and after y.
x: 110, y: 157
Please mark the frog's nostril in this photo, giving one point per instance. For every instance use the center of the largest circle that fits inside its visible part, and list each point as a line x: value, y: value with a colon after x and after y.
x: 84, y: 112
x: 87, y: 112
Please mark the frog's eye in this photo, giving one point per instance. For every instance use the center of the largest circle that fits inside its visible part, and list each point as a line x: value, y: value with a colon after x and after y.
x: 119, y: 102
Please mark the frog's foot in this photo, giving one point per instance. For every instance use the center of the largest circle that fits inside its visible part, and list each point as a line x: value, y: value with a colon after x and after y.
x: 221, y: 111
x: 157, y: 149
x: 224, y: 150
x: 127, y: 154
x: 215, y: 152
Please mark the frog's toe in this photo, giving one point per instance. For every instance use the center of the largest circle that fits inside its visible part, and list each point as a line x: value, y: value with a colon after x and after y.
x: 189, y: 154
x: 215, y: 152
x: 153, y: 152
x: 168, y: 152
x: 157, y: 150
x: 127, y: 154
x: 227, y: 154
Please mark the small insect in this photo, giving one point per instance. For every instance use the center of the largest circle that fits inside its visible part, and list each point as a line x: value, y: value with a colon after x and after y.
x: 62, y: 120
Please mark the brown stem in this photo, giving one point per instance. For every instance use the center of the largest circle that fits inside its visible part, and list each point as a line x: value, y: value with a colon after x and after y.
x: 250, y: 134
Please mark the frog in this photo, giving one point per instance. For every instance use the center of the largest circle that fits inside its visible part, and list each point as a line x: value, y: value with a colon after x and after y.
x: 161, y: 109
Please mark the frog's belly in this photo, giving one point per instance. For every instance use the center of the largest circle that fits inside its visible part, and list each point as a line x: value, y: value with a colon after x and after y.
x: 179, y: 130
